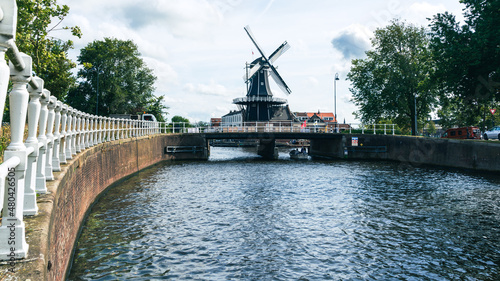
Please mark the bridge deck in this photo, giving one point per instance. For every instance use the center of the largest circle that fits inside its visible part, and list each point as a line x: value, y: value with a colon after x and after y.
x: 269, y: 135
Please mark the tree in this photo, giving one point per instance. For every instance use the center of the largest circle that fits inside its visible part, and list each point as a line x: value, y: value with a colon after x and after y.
x: 179, y: 119
x: 114, y: 79
x: 49, y: 54
x: 394, y: 80
x: 157, y: 108
x: 467, y: 62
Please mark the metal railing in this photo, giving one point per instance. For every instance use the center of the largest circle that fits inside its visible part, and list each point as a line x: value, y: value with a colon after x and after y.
x: 281, y: 127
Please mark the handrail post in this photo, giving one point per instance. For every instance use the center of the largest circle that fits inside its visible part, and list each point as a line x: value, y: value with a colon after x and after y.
x: 12, y: 218
x: 50, y: 138
x: 78, y: 132
x: 68, y: 140
x: 73, y: 133
x: 393, y: 129
x: 56, y: 166
x: 385, y: 129
x: 108, y: 128
x: 34, y: 107
x: 112, y: 128
x: 64, y: 120
x: 89, y: 133
x: 99, y: 130
x: 42, y: 138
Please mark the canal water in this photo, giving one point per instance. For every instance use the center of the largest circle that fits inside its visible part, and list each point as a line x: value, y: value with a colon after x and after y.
x: 237, y: 217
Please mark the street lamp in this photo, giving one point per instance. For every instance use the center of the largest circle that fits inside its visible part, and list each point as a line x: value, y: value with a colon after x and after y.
x: 335, y: 99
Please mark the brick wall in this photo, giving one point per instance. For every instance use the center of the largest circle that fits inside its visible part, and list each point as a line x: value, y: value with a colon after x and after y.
x: 77, y: 186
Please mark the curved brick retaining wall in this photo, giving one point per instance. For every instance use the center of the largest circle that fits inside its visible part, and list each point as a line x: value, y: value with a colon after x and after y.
x: 52, y: 233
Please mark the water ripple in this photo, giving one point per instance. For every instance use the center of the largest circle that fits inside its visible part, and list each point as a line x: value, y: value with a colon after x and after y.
x: 245, y: 219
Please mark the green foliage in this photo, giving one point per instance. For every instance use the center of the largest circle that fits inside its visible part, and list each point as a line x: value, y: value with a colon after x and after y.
x: 179, y: 119
x: 157, y: 108
x: 395, y: 73
x: 114, y: 78
x: 467, y: 62
x: 49, y: 54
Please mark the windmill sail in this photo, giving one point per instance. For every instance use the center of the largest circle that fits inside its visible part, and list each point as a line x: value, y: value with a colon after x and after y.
x: 250, y: 34
x: 281, y: 83
x: 281, y: 50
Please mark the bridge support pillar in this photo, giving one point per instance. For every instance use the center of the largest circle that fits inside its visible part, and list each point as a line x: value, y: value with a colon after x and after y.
x: 328, y: 148
x: 267, y: 149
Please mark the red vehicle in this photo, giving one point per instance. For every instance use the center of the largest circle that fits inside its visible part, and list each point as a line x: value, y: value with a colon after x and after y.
x: 462, y: 133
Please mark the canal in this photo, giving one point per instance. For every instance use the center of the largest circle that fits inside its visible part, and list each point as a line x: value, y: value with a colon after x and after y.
x: 237, y: 217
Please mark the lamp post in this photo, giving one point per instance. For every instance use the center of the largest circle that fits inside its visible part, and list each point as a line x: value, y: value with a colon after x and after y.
x: 335, y: 99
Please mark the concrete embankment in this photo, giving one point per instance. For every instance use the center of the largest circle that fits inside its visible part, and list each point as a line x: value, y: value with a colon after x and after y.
x: 467, y: 154
x: 52, y: 233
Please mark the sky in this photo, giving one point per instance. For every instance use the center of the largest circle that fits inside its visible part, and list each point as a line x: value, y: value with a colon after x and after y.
x: 198, y: 48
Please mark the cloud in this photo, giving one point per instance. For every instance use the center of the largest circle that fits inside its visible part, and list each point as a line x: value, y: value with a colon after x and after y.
x: 212, y: 89
x: 181, y: 18
x: 352, y: 42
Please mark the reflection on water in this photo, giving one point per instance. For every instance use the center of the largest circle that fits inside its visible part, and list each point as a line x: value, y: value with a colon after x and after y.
x: 236, y: 217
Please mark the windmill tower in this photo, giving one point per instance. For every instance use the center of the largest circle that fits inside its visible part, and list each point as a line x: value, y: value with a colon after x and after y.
x: 259, y: 103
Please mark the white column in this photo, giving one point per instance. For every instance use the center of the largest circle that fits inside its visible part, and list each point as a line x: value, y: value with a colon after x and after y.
x: 109, y: 128
x: 112, y: 128
x: 57, y: 138
x: 78, y: 132
x: 34, y: 106
x: 50, y: 137
x: 89, y: 120
x: 68, y: 140
x: 99, y: 129
x: 73, y: 132
x: 42, y: 138
x: 13, y: 228
x: 64, y: 120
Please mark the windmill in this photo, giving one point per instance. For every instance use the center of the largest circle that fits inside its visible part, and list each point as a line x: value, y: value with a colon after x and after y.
x: 259, y: 103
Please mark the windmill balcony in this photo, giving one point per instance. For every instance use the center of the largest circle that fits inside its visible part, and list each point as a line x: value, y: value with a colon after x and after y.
x: 252, y: 99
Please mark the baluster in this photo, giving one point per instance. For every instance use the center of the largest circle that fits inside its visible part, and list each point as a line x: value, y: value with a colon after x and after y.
x: 92, y: 129
x: 12, y: 217
x: 88, y: 132
x: 50, y: 138
x: 113, y: 129
x: 101, y: 126
x: 127, y: 126
x: 68, y: 139
x: 73, y: 132
x: 34, y: 106
x: 56, y: 166
x: 108, y: 120
x: 78, y: 132
x: 64, y: 121
x: 42, y: 138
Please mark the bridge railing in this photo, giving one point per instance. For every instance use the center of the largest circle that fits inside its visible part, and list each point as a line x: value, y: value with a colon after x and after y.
x: 282, y: 127
x: 63, y: 132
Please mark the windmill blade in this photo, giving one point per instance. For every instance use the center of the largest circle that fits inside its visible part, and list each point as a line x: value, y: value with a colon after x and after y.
x: 281, y: 83
x: 281, y: 50
x: 250, y: 34
x: 252, y: 71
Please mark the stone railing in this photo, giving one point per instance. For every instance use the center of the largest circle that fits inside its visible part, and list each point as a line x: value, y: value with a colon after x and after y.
x: 63, y: 132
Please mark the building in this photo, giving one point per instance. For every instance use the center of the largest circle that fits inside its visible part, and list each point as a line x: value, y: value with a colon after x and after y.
x: 215, y: 122
x: 232, y: 119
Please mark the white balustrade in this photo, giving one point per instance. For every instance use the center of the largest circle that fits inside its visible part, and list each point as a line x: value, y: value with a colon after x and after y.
x: 63, y: 132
